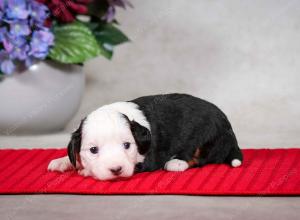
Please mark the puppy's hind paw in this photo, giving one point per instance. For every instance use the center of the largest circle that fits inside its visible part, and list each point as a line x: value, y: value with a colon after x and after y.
x: 236, y: 163
x: 176, y: 165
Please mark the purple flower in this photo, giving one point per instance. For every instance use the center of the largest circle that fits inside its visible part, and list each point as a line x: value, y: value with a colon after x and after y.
x: 23, y: 35
x: 3, y: 30
x: 16, y: 46
x: 13, y: 40
x: 8, y: 46
x: 29, y: 61
x: 40, y: 42
x: 20, y: 52
x: 110, y: 14
x: 20, y: 27
x: 2, y: 4
x: 39, y: 13
x: 1, y: 10
x: 6, y: 64
x: 16, y: 9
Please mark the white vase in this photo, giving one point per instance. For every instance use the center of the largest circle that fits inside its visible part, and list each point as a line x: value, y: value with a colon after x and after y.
x: 41, y: 99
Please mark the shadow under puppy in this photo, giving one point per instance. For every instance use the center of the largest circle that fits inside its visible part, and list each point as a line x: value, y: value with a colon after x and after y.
x: 172, y: 131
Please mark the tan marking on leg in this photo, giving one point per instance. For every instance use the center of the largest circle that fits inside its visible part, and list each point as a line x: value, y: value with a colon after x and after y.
x: 195, y: 160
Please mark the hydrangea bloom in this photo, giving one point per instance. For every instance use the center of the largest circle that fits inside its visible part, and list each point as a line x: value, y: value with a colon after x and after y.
x: 6, y: 64
x: 16, y: 9
x: 23, y: 34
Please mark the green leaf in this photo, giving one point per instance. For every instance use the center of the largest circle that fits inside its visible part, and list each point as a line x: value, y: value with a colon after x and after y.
x: 74, y: 43
x: 107, y: 36
x: 106, y: 50
x: 108, y: 33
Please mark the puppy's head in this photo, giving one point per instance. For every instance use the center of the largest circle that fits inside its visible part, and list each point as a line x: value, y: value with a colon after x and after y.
x: 108, y: 145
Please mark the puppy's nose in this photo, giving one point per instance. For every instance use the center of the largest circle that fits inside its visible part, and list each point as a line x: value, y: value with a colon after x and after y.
x: 116, y: 171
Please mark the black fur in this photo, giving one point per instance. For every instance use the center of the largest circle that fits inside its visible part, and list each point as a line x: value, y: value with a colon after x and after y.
x: 141, y: 135
x: 180, y: 124
x: 75, y: 144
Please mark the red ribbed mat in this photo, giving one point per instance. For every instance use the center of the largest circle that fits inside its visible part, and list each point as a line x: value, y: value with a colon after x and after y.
x: 264, y: 172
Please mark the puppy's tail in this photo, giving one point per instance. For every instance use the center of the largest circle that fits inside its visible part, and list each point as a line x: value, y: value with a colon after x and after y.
x: 235, y: 157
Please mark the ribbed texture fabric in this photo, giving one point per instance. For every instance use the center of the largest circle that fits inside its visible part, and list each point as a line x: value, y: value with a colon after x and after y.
x: 264, y: 172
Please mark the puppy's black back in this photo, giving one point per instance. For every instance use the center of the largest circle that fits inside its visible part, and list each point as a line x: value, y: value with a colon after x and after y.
x: 180, y: 124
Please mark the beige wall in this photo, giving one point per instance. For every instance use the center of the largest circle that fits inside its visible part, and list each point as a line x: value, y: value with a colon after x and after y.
x: 241, y: 55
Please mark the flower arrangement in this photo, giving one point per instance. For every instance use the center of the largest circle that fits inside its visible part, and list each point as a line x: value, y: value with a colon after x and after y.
x: 66, y: 31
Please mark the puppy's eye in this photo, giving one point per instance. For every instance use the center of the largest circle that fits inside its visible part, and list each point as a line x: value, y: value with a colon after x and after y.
x: 126, y: 145
x: 94, y: 150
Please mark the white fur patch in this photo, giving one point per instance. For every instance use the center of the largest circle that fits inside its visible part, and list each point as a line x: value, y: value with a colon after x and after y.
x: 61, y: 164
x: 236, y: 163
x: 106, y: 129
x: 131, y: 110
x: 176, y: 165
x: 140, y: 158
x: 84, y: 172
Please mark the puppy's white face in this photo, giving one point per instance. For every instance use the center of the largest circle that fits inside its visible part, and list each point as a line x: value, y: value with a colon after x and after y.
x: 108, y: 149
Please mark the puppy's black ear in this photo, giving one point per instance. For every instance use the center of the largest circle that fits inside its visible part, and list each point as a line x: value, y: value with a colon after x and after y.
x: 141, y: 134
x: 75, y: 144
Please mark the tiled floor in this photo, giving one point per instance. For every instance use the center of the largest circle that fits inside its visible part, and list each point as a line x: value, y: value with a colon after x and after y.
x: 147, y: 207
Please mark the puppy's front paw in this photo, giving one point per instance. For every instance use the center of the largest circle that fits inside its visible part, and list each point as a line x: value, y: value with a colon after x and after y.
x: 83, y: 172
x: 176, y: 165
x: 60, y: 164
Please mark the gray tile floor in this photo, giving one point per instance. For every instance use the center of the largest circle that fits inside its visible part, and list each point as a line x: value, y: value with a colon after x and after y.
x: 147, y: 207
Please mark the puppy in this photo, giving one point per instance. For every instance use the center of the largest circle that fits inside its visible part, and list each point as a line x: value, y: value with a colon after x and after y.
x: 172, y: 131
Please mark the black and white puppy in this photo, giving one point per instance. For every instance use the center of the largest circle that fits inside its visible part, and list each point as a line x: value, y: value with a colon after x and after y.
x: 172, y: 131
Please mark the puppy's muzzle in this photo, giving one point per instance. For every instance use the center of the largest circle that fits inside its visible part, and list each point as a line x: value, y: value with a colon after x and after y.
x: 116, y: 171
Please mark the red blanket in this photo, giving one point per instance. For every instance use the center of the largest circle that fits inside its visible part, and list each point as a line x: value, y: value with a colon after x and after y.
x: 264, y: 172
